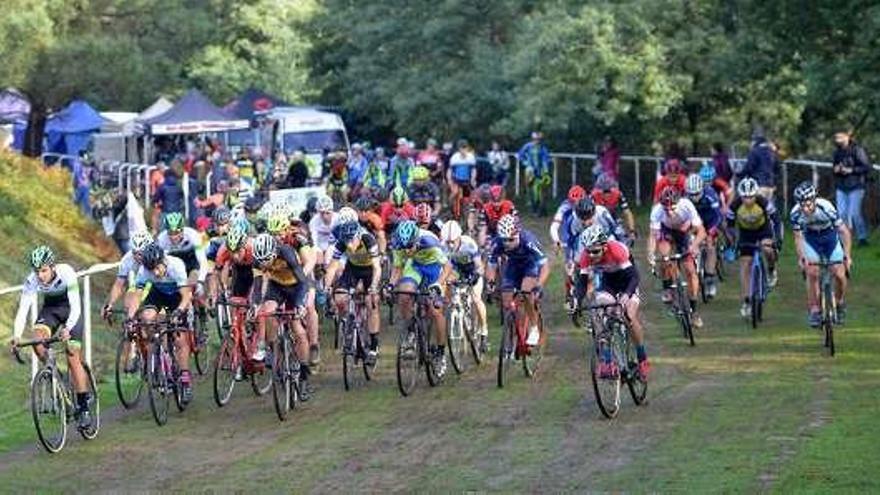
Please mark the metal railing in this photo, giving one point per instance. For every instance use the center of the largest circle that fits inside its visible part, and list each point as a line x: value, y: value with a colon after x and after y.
x: 86, y: 314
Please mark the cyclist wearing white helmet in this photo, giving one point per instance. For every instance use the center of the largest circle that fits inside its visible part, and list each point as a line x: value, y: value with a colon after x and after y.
x: 321, y: 227
x: 128, y: 267
x: 820, y: 233
x: 467, y: 264
x: 708, y: 205
x: 751, y: 214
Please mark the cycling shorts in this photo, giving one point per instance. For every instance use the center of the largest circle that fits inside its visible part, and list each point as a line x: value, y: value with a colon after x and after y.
x: 292, y: 296
x: 54, y: 314
x: 159, y: 300
x: 681, y: 241
x: 242, y: 281
x: 353, y: 274
x: 749, y: 238
x: 421, y: 275
x: 514, y: 273
x: 819, y: 245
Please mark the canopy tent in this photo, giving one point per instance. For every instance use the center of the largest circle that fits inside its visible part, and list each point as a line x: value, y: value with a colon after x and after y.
x: 250, y: 102
x: 119, y: 122
x: 193, y: 114
x: 69, y: 131
x: 14, y: 106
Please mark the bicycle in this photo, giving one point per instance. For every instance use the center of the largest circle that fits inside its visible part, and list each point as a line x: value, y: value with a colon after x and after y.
x: 354, y: 338
x: 513, y: 339
x: 827, y: 302
x: 461, y: 325
x: 758, y: 286
x: 233, y: 362
x: 52, y: 399
x: 198, y: 338
x: 286, y: 379
x: 387, y: 263
x: 413, y: 349
x: 612, y: 335
x: 701, y: 272
x: 681, y: 305
x: 130, y: 364
x: 163, y: 373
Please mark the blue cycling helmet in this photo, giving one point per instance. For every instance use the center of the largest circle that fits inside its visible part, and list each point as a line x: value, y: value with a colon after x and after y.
x: 406, y: 233
x: 345, y: 232
x: 707, y: 172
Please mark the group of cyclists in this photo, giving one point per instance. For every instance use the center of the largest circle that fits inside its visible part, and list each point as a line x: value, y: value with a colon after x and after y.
x: 270, y: 257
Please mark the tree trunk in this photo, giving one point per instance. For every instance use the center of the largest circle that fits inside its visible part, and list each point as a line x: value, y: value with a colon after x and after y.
x: 33, y: 138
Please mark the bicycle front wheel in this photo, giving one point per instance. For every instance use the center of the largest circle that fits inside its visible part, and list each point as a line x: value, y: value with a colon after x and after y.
x: 606, y: 389
x: 159, y: 391
x: 200, y: 340
x: 470, y: 332
x: 455, y: 336
x: 49, y: 410
x: 506, y: 350
x: 346, y: 331
x: 532, y: 357
x: 407, y: 361
x: 828, y: 317
x: 225, y: 369
x: 129, y: 373
x: 91, y: 431
x: 281, y: 382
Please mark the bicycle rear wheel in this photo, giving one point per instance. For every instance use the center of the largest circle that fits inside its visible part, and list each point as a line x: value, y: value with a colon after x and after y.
x: 49, y: 410
x: 407, y: 361
x: 506, y: 350
x: 282, y: 396
x: 159, y: 390
x: 225, y: 370
x: 606, y: 390
x: 91, y: 431
x: 456, y: 338
x: 469, y: 331
x: 129, y: 385
x: 200, y: 348
x: 638, y: 386
x: 828, y: 317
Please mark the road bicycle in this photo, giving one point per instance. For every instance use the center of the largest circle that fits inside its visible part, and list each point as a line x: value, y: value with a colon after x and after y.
x: 827, y: 302
x: 514, y: 333
x: 461, y: 325
x: 681, y: 304
x: 355, y: 343
x: 414, y: 351
x: 286, y: 379
x: 234, y: 362
x: 163, y: 373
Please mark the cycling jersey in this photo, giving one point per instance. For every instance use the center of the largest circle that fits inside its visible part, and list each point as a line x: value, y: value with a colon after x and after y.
x: 561, y: 215
x: 681, y: 219
x: 366, y: 252
x: 170, y: 283
x: 424, y: 266
x: 426, y: 192
x: 128, y: 268
x: 61, y: 293
x: 461, y: 165
x: 525, y: 260
x: 372, y: 222
x: 619, y: 275
x: 820, y: 230
x: 709, y: 208
x: 663, y: 182
x: 391, y: 214
x: 188, y: 249
x: 613, y: 200
x: 244, y: 257
x: 493, y: 211
x: 752, y: 217
x: 374, y: 176
x: 464, y: 258
x: 284, y: 269
x: 322, y: 233
x: 400, y: 168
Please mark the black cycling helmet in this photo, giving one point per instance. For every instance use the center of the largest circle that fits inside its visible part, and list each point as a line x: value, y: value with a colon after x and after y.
x: 253, y: 204
x: 585, y: 208
x: 152, y: 255
x: 311, y: 204
x: 364, y: 203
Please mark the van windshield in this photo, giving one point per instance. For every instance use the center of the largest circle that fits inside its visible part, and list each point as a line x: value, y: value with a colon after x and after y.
x: 315, y: 141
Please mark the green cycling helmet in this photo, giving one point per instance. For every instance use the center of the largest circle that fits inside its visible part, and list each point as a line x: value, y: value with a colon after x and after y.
x: 277, y: 223
x: 398, y: 196
x: 42, y: 256
x: 174, y: 221
x: 420, y: 174
x: 236, y: 237
x: 406, y: 233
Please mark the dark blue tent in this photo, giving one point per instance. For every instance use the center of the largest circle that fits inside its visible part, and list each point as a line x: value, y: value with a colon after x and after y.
x: 193, y: 114
x: 247, y: 106
x: 70, y: 130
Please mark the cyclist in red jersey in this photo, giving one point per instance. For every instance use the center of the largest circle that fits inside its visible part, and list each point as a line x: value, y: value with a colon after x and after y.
x: 492, y: 212
x: 674, y: 176
x: 396, y: 209
x: 607, y: 193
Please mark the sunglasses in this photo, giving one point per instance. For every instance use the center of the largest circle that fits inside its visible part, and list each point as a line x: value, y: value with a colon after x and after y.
x: 508, y: 240
x: 595, y: 251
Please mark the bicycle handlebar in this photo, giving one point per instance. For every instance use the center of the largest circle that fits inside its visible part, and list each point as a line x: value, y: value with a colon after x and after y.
x: 32, y: 343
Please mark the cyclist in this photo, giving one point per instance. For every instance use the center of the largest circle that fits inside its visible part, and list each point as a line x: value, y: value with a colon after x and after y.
x: 467, y: 265
x: 217, y: 232
x: 526, y: 269
x: 423, y: 190
x: 708, y: 205
x: 673, y: 175
x: 719, y: 185
x: 535, y: 157
x: 396, y: 209
x: 419, y: 262
x: 752, y: 214
x: 184, y: 243
x: 620, y: 282
x: 321, y: 228
x: 562, y: 216
x: 493, y: 210
x: 337, y: 178
x: 430, y: 159
x: 401, y: 165
x: 606, y: 193
x: 164, y: 279
x: 368, y: 217
x: 461, y: 176
x: 235, y: 261
x: 60, y: 313
x: 676, y: 226
x: 284, y: 283
x: 128, y: 268
x: 424, y: 219
x: 819, y: 232
x: 362, y: 268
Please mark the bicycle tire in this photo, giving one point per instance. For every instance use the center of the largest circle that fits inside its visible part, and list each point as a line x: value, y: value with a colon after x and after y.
x: 684, y: 313
x: 224, y: 372
x: 281, y: 386
x: 129, y: 387
x: 470, y: 326
x: 456, y: 340
x: 221, y: 322
x: 369, y: 370
x: 427, y: 355
x: 407, y: 361
x: 606, y: 390
x: 158, y: 390
x: 533, y: 355
x: 91, y: 431
x: 506, y: 350
x: 261, y: 381
x: 638, y: 387
x: 48, y: 399
x: 828, y: 317
x: 756, y: 295
x: 348, y: 353
x: 200, y: 344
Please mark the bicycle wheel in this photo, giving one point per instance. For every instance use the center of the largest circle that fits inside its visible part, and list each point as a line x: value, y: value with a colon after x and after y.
x: 427, y: 354
x: 506, y: 349
x: 407, y: 360
x: 684, y: 315
x: 701, y: 273
x: 129, y: 384
x: 533, y: 355
x: 261, y: 380
x: 91, y: 431
x: 470, y: 332
x: 456, y: 339
x: 200, y: 349
x: 159, y: 390
x: 281, y: 382
x: 638, y: 386
x: 49, y: 409
x: 225, y: 369
x: 369, y: 370
x: 828, y: 317
x: 606, y: 390
x: 349, y: 348
x: 756, y: 295
x: 221, y: 321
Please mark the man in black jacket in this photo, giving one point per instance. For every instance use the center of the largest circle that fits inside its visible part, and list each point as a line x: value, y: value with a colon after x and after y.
x: 851, y: 168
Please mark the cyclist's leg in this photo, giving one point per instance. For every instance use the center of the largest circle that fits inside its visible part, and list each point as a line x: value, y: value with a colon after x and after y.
x: 711, y: 253
x: 409, y: 282
x: 745, y: 265
x: 430, y: 274
x: 78, y: 377
x: 311, y: 319
x: 480, y: 307
x: 530, y: 304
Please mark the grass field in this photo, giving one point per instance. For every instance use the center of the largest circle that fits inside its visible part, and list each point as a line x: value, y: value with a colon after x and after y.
x: 743, y: 411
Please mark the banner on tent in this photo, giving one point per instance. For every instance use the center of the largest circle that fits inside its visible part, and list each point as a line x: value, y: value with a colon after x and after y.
x: 298, y: 197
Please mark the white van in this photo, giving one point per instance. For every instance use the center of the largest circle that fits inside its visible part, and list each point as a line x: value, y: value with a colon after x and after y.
x: 309, y: 128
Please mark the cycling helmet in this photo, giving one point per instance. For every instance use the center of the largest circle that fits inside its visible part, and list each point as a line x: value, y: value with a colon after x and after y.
x: 605, y: 183
x: 398, y: 196
x: 236, y: 237
x: 405, y: 234
x: 670, y: 196
x: 673, y: 166
x: 140, y: 239
x: 174, y: 221
x: 496, y: 192
x: 152, y: 255
x: 593, y: 236
x: 364, y: 203
x: 575, y: 193
x: 345, y: 232
x: 694, y: 185
x: 805, y: 191
x: 253, y: 204
x: 484, y: 193
x: 264, y: 247
x: 277, y: 223
x: 450, y: 232
x: 324, y: 203
x: 423, y: 213
x: 420, y: 174
x: 747, y: 187
x: 707, y: 172
x: 508, y: 227
x: 311, y: 204
x: 222, y: 215
x: 42, y: 256
x: 347, y: 214
x: 585, y: 208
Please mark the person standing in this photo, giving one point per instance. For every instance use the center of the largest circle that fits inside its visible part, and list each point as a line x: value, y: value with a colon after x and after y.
x: 609, y: 159
x: 500, y: 164
x: 534, y: 157
x: 721, y: 162
x: 851, y: 168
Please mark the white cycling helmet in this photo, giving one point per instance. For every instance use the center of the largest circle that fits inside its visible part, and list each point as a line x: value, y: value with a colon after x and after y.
x: 508, y: 227
x: 747, y: 187
x: 346, y: 215
x: 264, y: 247
x: 694, y: 185
x: 324, y: 203
x: 140, y: 240
x: 450, y: 232
x: 592, y: 236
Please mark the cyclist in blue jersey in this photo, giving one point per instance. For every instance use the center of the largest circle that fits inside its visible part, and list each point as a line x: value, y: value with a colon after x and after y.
x: 708, y: 206
x: 819, y: 232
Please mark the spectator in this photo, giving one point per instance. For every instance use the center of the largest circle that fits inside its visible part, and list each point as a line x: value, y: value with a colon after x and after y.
x: 761, y: 165
x: 82, y: 185
x: 119, y: 218
x: 851, y: 168
x: 357, y: 167
x: 535, y: 159
x: 721, y: 162
x: 609, y: 159
x: 401, y: 164
x: 169, y: 196
x: 430, y: 159
x: 499, y: 162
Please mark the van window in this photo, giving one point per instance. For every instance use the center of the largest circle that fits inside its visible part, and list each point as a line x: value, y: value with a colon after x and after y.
x: 314, y: 142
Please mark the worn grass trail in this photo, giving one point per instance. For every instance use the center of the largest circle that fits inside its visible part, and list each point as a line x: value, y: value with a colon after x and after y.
x: 743, y: 411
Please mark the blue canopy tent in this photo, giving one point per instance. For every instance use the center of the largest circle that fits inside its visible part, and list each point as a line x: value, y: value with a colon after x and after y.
x: 248, y: 106
x: 193, y: 114
x: 69, y: 131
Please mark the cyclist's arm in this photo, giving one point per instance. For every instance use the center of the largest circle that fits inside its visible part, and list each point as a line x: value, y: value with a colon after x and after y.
x: 116, y: 290
x: 330, y: 273
x: 699, y: 236
x: 73, y: 298
x: 185, y: 298
x: 629, y: 220
x: 309, y: 259
x: 554, y: 231
x: 544, y: 274
x: 799, y: 245
x: 28, y: 300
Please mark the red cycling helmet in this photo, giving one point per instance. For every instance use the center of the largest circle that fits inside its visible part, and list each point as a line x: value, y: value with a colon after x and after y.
x: 496, y: 192
x: 423, y: 213
x: 673, y: 166
x: 670, y: 196
x: 576, y: 193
